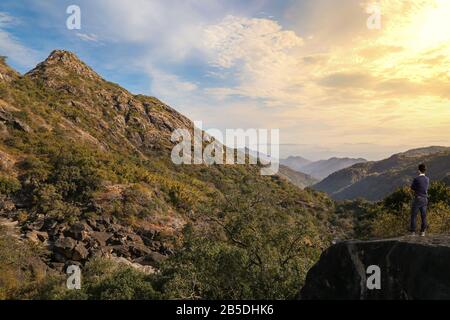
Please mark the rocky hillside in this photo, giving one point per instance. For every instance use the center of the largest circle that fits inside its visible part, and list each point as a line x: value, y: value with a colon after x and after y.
x: 300, y: 179
x: 375, y: 180
x: 85, y: 172
x: 322, y: 168
x: 411, y: 268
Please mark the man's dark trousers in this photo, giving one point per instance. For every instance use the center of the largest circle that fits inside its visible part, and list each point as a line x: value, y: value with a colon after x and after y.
x: 419, y: 204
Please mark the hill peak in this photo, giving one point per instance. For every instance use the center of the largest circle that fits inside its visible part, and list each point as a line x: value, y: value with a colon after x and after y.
x: 63, y: 63
x: 63, y: 56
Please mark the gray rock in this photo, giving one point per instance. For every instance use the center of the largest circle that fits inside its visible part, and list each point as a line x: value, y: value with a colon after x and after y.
x: 64, y: 247
x: 138, y: 250
x: 101, y: 237
x: 147, y: 235
x: 114, y: 228
x: 80, y: 253
x: 79, y: 231
x: 411, y: 268
x: 134, y: 238
x: 153, y: 259
x: 120, y: 250
x: 71, y: 263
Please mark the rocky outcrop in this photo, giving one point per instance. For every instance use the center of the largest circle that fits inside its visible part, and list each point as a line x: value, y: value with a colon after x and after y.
x: 142, y: 123
x: 9, y: 120
x: 410, y: 268
x: 51, y: 66
x: 103, y: 236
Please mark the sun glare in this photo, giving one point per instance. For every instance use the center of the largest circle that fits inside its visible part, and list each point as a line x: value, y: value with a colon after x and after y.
x: 431, y: 27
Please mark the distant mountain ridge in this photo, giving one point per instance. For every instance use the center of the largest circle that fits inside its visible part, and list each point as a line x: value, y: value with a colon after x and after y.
x: 295, y: 162
x: 323, y: 168
x: 319, y: 169
x: 300, y: 179
x: 376, y: 179
x: 296, y: 177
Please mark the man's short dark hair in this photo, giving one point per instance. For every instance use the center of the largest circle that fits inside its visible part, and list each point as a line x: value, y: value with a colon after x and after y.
x: 422, y: 168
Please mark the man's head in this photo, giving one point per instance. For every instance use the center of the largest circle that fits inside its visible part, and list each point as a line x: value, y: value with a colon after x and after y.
x: 422, y: 168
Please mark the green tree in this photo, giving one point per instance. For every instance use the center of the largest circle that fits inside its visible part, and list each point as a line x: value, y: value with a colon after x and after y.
x: 251, y: 251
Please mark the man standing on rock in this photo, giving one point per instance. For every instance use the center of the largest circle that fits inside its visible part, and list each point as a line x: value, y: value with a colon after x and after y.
x: 420, y: 188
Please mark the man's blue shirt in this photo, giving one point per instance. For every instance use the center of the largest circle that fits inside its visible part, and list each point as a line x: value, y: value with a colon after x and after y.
x: 420, y: 186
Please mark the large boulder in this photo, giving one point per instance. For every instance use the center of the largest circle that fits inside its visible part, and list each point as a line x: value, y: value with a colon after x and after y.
x: 79, y: 231
x: 153, y: 259
x: 64, y: 247
x: 69, y: 249
x: 101, y: 237
x: 80, y: 252
x: 410, y: 268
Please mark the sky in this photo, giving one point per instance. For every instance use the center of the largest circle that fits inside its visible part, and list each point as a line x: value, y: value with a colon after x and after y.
x: 352, y: 78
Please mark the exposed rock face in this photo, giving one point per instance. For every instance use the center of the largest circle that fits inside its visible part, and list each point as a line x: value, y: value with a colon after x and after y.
x: 145, y: 122
x: 8, y: 119
x: 411, y: 268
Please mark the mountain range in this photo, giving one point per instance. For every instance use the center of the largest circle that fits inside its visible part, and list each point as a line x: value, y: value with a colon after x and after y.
x: 319, y: 169
x: 376, y: 179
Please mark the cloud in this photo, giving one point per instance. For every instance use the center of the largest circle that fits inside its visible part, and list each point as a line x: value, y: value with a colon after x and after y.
x: 90, y: 37
x: 172, y: 31
x: 329, y: 22
x: 233, y: 49
x: 348, y: 80
x: 166, y: 84
x: 12, y: 47
x: 242, y: 39
x: 379, y: 51
x: 6, y: 19
x: 259, y: 51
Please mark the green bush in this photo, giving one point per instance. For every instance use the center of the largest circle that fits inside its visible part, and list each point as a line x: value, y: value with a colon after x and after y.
x: 392, y: 216
x: 20, y: 266
x: 9, y: 185
x: 125, y: 284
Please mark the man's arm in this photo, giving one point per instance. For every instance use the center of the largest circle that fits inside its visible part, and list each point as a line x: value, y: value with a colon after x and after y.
x: 414, y: 185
